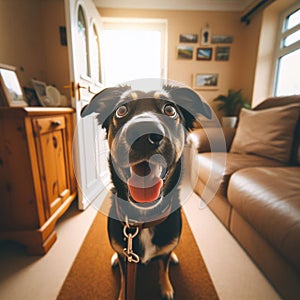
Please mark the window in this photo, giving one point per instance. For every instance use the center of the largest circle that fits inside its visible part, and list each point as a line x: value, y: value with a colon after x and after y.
x: 288, y: 53
x: 95, y: 56
x: 83, y: 42
x: 133, y: 49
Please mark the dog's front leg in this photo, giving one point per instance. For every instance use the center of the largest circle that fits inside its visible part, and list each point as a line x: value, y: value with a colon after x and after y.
x: 167, y: 291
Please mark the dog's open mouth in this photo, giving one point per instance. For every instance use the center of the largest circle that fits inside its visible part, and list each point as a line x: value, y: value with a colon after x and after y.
x: 146, y: 181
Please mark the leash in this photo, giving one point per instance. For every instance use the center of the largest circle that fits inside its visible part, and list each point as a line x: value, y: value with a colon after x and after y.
x: 131, y: 261
x: 130, y: 231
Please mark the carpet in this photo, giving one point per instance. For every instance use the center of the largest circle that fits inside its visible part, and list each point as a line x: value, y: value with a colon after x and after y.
x: 91, y: 276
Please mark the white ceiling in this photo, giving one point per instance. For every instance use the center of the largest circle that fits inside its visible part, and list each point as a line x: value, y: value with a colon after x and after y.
x: 214, y: 5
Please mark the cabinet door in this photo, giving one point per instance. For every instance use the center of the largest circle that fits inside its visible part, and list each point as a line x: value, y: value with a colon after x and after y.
x: 52, y: 155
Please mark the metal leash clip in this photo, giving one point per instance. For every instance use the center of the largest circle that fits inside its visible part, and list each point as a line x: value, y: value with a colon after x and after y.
x: 131, y: 256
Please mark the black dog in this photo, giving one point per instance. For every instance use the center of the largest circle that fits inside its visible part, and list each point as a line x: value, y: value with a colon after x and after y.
x: 146, y: 135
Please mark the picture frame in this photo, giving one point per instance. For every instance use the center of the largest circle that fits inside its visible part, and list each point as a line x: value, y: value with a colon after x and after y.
x: 205, y: 36
x: 10, y: 89
x: 31, y: 96
x: 185, y: 52
x: 206, y: 81
x: 40, y: 89
x: 204, y: 53
x: 188, y: 38
x: 222, y: 39
x: 222, y: 53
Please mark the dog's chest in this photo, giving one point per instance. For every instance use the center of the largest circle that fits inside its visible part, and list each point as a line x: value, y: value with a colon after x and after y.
x: 149, y: 248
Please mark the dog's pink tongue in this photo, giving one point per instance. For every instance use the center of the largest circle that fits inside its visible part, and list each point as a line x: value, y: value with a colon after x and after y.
x: 144, y: 184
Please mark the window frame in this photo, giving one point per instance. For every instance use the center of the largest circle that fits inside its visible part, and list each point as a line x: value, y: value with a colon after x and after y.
x: 280, y: 50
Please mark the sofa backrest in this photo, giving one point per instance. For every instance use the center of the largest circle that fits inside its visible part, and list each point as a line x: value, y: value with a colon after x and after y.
x: 281, y: 101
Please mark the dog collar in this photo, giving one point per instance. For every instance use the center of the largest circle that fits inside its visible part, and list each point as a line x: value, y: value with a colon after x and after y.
x: 123, y: 217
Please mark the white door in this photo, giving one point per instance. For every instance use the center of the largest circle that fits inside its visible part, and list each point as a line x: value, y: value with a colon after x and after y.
x: 89, y: 147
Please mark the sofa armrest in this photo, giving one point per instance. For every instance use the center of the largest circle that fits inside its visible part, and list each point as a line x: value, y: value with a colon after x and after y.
x: 207, y: 139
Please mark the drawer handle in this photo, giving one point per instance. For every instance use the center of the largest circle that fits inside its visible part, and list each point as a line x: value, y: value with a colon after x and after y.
x: 55, y: 123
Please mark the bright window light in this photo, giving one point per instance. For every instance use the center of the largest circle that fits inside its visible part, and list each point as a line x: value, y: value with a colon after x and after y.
x: 131, y: 54
x: 289, y: 74
x: 288, y: 53
x: 293, y: 19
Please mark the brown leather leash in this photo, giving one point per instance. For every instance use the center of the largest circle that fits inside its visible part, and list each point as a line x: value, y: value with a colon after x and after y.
x: 131, y: 261
x: 130, y: 231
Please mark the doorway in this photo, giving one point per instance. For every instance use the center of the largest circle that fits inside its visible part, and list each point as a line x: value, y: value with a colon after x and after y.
x: 134, y: 49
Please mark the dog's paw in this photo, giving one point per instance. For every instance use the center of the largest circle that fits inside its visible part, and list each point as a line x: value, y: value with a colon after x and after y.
x: 114, y: 261
x: 167, y: 291
x: 168, y: 295
x: 174, y: 259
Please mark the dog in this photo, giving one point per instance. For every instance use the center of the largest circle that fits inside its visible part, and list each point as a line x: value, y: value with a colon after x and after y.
x: 146, y: 133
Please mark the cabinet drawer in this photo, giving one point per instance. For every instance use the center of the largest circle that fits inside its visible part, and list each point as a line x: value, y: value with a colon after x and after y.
x: 44, y: 125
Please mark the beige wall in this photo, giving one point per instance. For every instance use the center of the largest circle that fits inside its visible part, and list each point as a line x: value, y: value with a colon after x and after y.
x: 21, y: 37
x: 29, y: 33
x: 237, y: 73
x: 55, y: 56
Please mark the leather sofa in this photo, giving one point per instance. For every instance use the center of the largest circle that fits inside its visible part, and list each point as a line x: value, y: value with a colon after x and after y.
x: 251, y: 181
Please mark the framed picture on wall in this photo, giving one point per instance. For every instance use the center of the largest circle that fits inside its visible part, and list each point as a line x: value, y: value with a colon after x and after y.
x: 222, y: 53
x: 206, y: 81
x: 185, y: 52
x: 222, y: 39
x: 205, y: 36
x: 204, y: 53
x: 10, y: 89
x: 188, y: 38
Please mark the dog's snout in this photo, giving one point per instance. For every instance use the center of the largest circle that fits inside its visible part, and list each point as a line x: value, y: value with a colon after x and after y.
x: 145, y: 135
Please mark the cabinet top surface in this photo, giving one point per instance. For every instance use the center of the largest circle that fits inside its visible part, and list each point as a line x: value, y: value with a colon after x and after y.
x: 34, y: 111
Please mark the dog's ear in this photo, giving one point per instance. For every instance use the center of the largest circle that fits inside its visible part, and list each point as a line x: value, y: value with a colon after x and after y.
x: 190, y: 104
x: 104, y: 103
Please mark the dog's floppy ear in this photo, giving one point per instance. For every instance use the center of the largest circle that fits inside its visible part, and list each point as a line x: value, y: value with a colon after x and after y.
x: 190, y: 104
x: 104, y: 103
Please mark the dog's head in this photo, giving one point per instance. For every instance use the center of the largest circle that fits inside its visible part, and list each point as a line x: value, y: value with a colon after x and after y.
x: 146, y: 135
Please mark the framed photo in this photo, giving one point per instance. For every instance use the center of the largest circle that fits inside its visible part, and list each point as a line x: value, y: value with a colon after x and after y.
x: 40, y: 89
x: 204, y: 53
x: 206, y: 81
x: 10, y: 88
x: 188, y: 38
x: 31, y: 96
x: 205, y: 36
x: 222, y: 53
x: 221, y: 39
x: 185, y: 52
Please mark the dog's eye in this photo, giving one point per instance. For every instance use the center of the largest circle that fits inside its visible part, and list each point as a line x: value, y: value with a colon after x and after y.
x: 170, y: 111
x: 122, y: 111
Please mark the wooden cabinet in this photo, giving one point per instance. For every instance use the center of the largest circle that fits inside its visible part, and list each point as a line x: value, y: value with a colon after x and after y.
x: 37, y: 183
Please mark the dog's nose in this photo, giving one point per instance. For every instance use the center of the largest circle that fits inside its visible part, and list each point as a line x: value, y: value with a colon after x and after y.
x: 145, y: 135
x: 155, y: 138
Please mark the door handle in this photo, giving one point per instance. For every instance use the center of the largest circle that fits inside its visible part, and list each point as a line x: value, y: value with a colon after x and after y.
x: 86, y: 87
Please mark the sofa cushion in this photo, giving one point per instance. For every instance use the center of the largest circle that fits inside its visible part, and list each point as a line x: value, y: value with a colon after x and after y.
x: 215, y: 168
x: 269, y: 200
x: 268, y: 132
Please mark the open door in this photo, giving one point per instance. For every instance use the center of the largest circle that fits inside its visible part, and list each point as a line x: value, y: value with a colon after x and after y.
x: 89, y: 146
